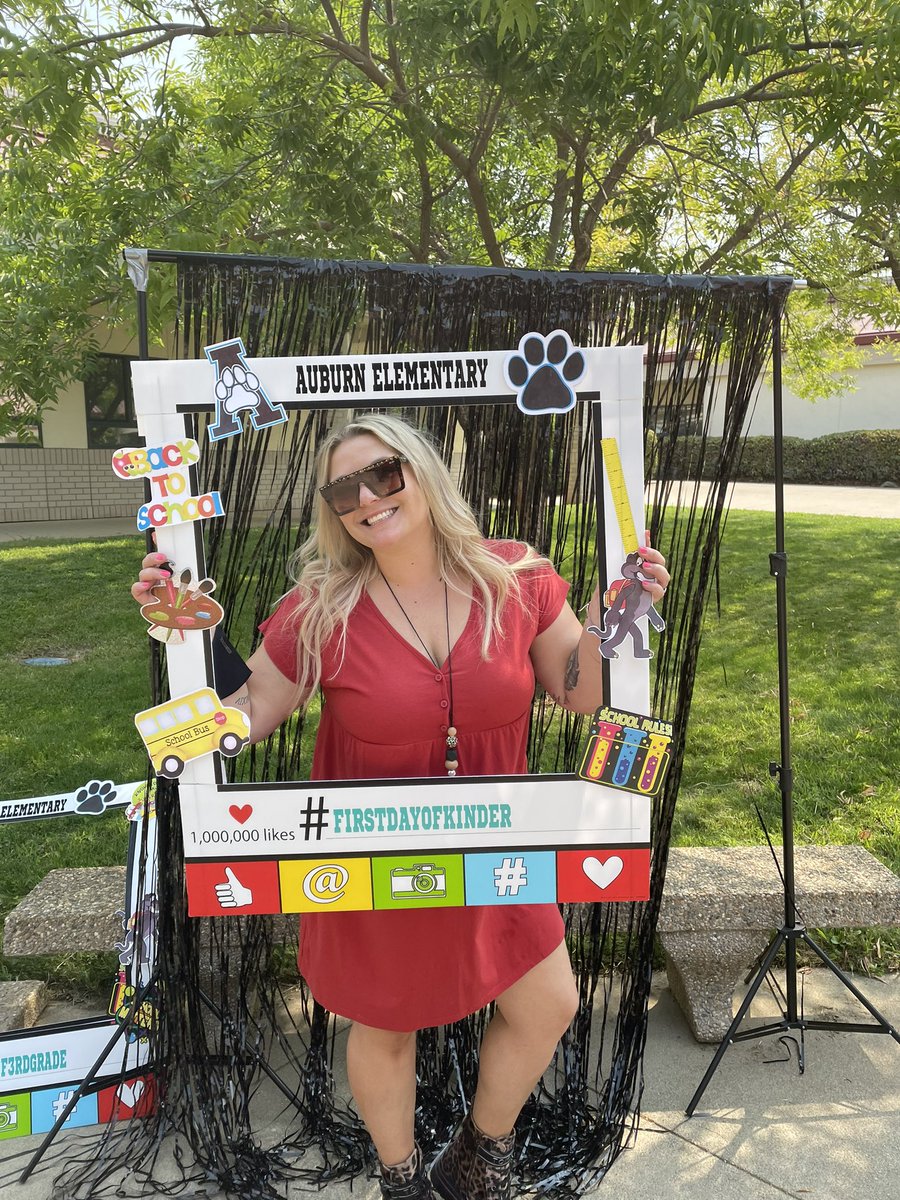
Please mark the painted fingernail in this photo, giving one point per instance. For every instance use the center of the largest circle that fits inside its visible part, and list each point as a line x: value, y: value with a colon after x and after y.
x: 160, y: 557
x: 165, y: 575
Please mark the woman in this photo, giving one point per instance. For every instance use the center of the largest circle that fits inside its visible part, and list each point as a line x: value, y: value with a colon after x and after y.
x: 426, y: 641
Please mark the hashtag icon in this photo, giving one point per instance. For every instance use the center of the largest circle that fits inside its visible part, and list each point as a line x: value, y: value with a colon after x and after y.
x: 60, y: 1104
x: 313, y: 819
x: 510, y: 876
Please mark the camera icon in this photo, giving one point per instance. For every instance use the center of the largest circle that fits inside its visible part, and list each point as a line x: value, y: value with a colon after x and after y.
x: 421, y: 879
x: 9, y: 1116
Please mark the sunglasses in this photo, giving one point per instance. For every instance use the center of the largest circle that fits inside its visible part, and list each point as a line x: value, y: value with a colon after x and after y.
x: 382, y: 478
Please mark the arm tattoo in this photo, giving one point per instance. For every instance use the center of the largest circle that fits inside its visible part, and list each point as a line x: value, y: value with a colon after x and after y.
x: 242, y: 701
x: 572, y: 671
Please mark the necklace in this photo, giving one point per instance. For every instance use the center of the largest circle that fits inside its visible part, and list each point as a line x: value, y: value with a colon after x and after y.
x: 451, y: 755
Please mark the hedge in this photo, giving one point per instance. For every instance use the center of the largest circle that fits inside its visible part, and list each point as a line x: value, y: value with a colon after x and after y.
x: 864, y: 456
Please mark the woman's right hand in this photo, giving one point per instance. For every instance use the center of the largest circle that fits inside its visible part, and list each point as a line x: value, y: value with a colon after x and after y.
x: 152, y: 572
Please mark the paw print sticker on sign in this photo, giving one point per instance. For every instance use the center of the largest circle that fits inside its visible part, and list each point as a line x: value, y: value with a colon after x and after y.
x: 95, y: 796
x: 544, y: 371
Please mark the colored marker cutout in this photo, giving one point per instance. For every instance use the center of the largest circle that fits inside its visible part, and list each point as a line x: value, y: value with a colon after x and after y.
x: 190, y: 727
x: 627, y: 750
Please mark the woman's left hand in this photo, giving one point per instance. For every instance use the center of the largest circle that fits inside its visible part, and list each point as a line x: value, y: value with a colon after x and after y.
x: 655, y: 569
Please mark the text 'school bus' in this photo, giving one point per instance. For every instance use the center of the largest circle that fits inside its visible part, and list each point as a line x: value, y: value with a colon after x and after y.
x: 189, y: 727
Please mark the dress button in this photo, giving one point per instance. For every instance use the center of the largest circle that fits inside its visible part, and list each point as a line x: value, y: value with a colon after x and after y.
x: 443, y: 729
x: 438, y: 677
x: 443, y: 704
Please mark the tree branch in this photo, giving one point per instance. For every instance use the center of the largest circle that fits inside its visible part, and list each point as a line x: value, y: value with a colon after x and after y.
x: 561, y: 190
x: 331, y: 17
x: 364, y: 14
x: 604, y: 193
x: 744, y: 228
x: 750, y: 96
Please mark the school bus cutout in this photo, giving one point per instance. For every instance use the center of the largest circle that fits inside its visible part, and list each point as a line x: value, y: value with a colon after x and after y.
x: 188, y: 727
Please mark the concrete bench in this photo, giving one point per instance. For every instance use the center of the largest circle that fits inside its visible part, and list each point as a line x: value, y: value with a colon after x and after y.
x: 21, y: 1003
x: 72, y: 910
x: 721, y: 904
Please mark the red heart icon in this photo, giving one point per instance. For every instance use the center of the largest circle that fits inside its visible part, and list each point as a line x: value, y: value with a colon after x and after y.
x: 241, y: 813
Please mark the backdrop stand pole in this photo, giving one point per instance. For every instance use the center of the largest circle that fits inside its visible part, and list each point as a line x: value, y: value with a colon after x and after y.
x: 792, y: 931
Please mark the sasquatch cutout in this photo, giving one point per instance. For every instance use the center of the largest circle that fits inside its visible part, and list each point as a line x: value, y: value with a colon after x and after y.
x: 626, y: 601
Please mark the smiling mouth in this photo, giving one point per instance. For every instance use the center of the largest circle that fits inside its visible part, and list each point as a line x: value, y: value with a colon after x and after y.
x: 379, y: 517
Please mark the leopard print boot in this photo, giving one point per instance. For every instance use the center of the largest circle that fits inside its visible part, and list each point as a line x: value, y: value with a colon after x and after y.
x: 407, y: 1180
x: 473, y: 1166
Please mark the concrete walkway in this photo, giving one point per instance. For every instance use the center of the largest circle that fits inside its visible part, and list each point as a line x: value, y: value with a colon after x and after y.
x: 756, y: 497
x: 762, y: 1131
x: 806, y: 498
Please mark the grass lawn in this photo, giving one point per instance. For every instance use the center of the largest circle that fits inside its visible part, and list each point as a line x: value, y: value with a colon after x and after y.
x: 61, y: 726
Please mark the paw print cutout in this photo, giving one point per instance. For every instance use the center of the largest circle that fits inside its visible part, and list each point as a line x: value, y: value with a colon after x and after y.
x: 237, y: 388
x: 543, y: 372
x: 94, y: 797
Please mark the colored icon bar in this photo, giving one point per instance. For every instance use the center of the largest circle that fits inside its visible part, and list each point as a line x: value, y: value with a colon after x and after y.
x: 424, y: 880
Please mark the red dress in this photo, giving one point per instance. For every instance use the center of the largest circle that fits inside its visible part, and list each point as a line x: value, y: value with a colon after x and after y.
x: 385, y: 715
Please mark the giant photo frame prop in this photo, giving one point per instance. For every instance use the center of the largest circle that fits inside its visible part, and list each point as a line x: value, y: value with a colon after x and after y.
x: 338, y: 845
x: 41, y: 1068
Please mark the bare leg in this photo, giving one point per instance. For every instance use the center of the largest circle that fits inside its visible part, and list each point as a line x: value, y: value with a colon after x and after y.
x: 381, y: 1067
x: 521, y: 1040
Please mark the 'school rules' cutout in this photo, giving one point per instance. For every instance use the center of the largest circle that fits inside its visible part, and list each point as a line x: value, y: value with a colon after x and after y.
x: 331, y: 846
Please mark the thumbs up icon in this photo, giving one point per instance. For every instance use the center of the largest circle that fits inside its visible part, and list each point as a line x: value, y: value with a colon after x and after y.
x: 233, y: 894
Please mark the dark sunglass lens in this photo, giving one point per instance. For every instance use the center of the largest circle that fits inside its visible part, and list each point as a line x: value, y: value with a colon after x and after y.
x: 343, y: 497
x: 387, y: 477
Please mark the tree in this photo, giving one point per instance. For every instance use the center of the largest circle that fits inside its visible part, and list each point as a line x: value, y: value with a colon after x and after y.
x: 644, y: 135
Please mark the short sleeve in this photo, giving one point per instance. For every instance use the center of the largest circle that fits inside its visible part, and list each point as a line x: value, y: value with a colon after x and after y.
x: 545, y: 587
x: 551, y: 592
x: 280, y: 636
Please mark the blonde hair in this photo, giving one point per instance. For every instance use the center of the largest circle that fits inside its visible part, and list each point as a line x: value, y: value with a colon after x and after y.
x: 331, y: 570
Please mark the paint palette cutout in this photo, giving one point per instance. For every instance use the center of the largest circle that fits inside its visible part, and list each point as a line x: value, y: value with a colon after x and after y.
x: 176, y: 610
x: 627, y: 750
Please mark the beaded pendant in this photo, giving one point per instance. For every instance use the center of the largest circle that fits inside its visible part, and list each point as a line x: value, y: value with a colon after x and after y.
x: 451, y: 759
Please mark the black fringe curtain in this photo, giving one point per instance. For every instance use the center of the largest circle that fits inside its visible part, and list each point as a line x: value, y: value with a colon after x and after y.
x: 247, y: 1060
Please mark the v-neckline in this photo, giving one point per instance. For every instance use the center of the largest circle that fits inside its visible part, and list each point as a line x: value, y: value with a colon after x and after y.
x: 415, y: 649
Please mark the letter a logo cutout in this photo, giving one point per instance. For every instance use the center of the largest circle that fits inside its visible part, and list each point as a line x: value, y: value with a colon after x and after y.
x: 237, y: 390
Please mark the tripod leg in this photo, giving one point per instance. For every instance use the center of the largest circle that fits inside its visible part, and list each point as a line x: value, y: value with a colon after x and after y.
x: 851, y: 987
x: 227, y: 1023
x: 767, y: 961
x: 801, y: 1053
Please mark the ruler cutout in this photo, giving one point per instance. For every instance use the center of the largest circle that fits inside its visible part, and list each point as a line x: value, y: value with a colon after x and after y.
x: 613, y: 464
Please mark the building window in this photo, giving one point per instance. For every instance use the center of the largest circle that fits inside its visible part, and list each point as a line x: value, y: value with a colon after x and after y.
x: 26, y: 434
x: 109, y: 403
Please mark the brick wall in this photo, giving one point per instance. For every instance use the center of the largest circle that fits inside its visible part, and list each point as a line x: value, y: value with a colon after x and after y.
x: 63, y: 484
x: 72, y: 484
